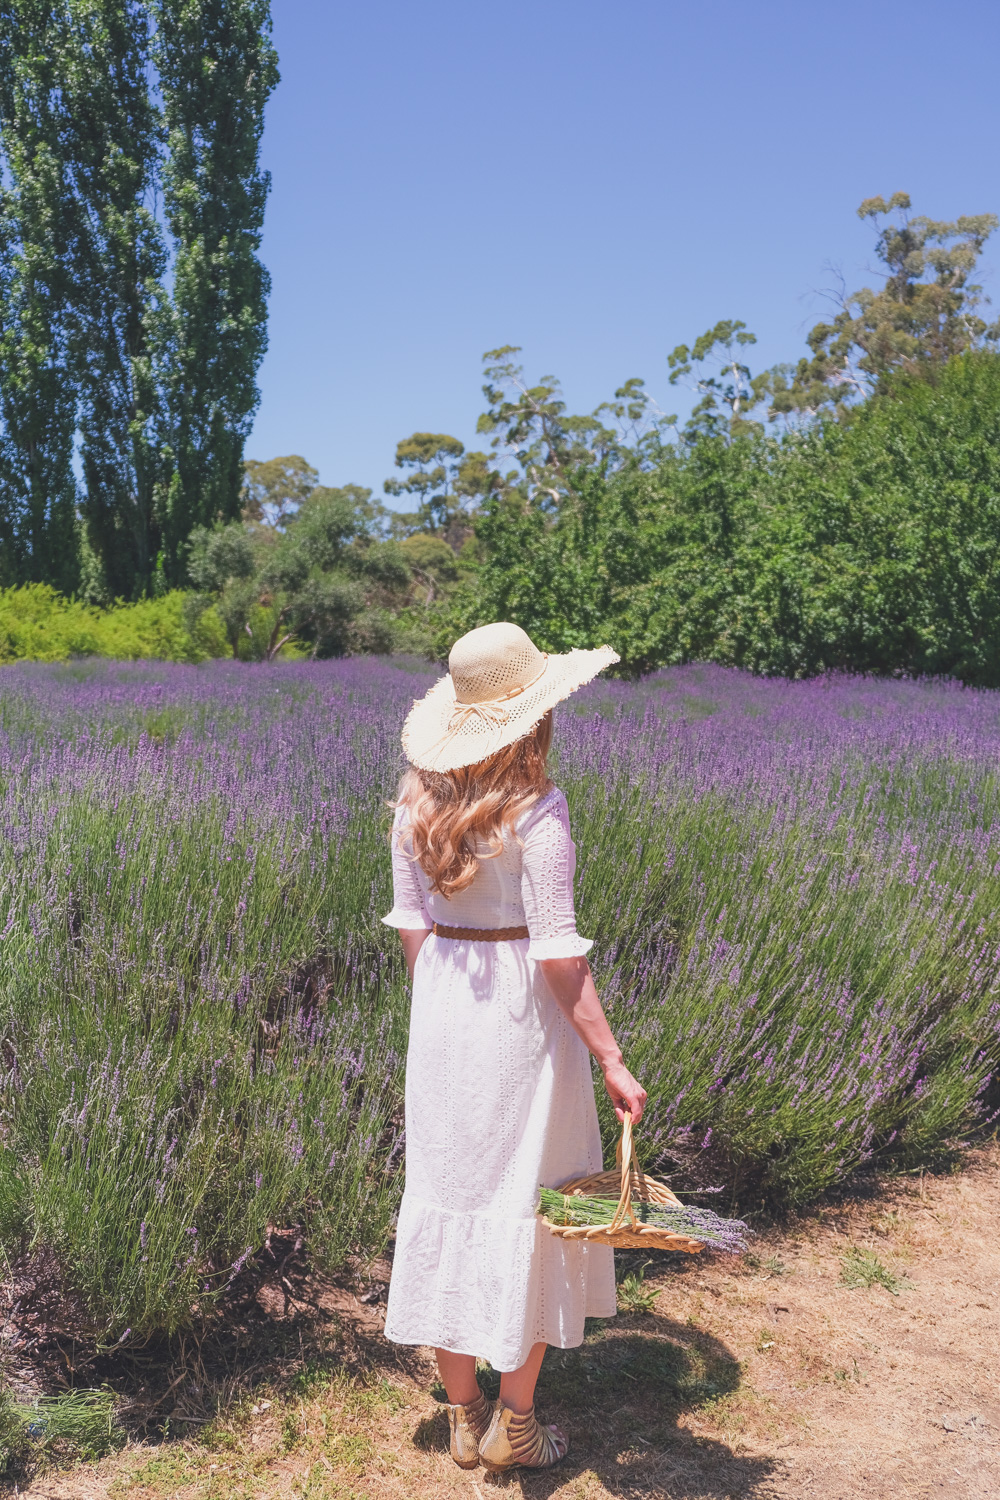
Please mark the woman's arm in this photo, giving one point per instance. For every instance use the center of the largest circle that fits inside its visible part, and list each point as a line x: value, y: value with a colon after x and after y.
x: 572, y: 984
x: 412, y: 939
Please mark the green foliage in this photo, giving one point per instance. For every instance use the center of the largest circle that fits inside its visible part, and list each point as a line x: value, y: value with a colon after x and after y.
x: 15, y: 1195
x: 447, y: 482
x: 75, y: 1425
x: 726, y: 396
x: 529, y: 426
x: 37, y: 396
x: 37, y: 624
x: 157, y: 387
x: 274, y: 490
x: 110, y: 145
x: 15, y: 1445
x: 861, y: 1269
x: 328, y: 582
x: 635, y: 556
x: 217, y: 68
x: 634, y: 1296
x: 432, y: 563
x: 873, y: 548
x: 926, y: 312
x: 866, y: 547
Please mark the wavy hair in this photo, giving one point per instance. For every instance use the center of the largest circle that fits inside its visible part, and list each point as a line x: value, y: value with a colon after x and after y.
x: 453, y: 813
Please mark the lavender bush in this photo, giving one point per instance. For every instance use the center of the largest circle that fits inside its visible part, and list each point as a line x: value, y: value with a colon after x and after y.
x: 793, y: 891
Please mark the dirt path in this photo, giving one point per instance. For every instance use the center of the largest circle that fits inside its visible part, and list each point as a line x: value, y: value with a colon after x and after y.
x: 774, y: 1381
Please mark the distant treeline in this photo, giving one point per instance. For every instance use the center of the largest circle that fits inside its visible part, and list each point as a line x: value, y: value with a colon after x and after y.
x: 866, y: 546
x: 842, y: 513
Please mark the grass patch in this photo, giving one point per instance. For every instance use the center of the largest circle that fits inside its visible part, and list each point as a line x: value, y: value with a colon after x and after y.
x: 327, y: 1426
x: 166, y: 1470
x: 75, y: 1425
x: 771, y: 1264
x: 634, y: 1296
x: 688, y: 1373
x: 861, y: 1269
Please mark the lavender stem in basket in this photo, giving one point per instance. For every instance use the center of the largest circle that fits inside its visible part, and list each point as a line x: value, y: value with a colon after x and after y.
x: 727, y: 1235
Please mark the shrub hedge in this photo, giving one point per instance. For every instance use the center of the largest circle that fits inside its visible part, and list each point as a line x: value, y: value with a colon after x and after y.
x: 868, y: 545
x: 39, y: 624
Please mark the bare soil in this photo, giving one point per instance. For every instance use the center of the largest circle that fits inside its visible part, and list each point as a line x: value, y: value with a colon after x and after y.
x: 771, y: 1380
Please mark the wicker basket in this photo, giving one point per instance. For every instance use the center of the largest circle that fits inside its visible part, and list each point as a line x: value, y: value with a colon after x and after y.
x: 625, y: 1231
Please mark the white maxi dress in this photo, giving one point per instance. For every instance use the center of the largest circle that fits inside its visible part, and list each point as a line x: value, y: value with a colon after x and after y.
x: 499, y: 1099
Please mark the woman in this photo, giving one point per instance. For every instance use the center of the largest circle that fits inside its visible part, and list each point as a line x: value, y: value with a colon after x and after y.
x: 499, y: 1094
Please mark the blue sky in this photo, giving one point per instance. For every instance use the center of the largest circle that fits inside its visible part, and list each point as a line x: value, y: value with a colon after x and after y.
x: 596, y: 182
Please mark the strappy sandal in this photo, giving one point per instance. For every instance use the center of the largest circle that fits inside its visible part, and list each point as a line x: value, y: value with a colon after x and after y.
x: 515, y: 1441
x: 469, y: 1425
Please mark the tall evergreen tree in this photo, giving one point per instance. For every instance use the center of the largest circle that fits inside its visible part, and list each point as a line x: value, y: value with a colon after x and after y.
x: 158, y: 389
x: 217, y: 68
x: 111, y: 150
x: 38, y: 491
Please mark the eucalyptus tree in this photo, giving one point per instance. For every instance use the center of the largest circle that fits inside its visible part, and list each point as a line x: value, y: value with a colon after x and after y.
x: 275, y: 488
x: 447, y: 482
x: 730, y: 393
x: 928, y: 309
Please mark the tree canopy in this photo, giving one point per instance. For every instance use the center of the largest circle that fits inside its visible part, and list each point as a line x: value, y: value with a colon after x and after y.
x: 132, y: 296
x: 926, y: 312
x: 840, y: 512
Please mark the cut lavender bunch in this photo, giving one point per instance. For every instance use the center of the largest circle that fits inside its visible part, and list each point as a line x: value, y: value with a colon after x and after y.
x: 727, y: 1235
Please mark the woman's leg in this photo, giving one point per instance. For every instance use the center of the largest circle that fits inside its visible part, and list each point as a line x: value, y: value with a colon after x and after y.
x: 458, y: 1376
x: 516, y: 1437
x: 517, y: 1387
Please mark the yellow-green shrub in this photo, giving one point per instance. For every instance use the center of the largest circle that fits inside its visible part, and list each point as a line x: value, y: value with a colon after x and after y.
x: 39, y: 624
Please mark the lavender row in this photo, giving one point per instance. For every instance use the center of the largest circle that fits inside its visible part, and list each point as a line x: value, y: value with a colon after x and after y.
x: 793, y: 889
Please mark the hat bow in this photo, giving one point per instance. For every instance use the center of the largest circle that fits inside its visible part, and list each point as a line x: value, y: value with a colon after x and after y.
x: 492, y: 713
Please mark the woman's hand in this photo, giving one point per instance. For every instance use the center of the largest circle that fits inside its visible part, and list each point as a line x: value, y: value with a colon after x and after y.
x: 624, y: 1092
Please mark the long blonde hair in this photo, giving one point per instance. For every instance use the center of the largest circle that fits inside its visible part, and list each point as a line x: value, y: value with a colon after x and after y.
x: 451, y: 813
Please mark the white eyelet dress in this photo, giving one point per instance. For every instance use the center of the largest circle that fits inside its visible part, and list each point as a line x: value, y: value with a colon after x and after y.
x: 499, y: 1099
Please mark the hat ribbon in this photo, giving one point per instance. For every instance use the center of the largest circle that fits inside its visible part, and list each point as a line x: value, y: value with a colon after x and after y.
x: 492, y: 711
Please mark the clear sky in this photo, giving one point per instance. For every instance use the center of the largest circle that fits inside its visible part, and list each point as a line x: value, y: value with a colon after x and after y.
x: 596, y: 182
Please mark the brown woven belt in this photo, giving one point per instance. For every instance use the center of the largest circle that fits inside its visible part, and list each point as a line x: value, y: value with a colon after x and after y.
x: 480, y: 934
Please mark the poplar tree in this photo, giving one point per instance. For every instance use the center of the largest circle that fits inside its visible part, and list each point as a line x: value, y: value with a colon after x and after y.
x: 112, y: 150
x: 38, y: 492
x: 217, y: 68
x: 156, y: 386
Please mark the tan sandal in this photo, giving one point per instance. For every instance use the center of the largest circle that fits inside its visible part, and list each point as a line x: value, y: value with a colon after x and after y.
x: 469, y: 1425
x: 515, y: 1441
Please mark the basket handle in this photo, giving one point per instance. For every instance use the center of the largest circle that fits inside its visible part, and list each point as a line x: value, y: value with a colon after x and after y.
x: 626, y: 1156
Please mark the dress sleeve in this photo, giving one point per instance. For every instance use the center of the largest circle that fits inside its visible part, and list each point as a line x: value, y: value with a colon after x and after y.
x: 408, y: 909
x: 547, y: 870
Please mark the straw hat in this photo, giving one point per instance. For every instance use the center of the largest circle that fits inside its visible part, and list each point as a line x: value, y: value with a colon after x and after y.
x: 499, y: 686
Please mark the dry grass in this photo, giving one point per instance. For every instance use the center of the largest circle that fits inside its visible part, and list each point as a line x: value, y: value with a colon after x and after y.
x: 769, y: 1379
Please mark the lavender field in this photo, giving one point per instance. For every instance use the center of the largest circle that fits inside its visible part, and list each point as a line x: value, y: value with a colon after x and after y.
x: 793, y: 888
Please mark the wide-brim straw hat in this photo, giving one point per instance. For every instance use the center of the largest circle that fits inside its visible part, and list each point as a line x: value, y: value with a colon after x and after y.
x: 499, y: 686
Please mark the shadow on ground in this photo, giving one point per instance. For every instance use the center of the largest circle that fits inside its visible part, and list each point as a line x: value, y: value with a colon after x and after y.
x: 620, y: 1397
